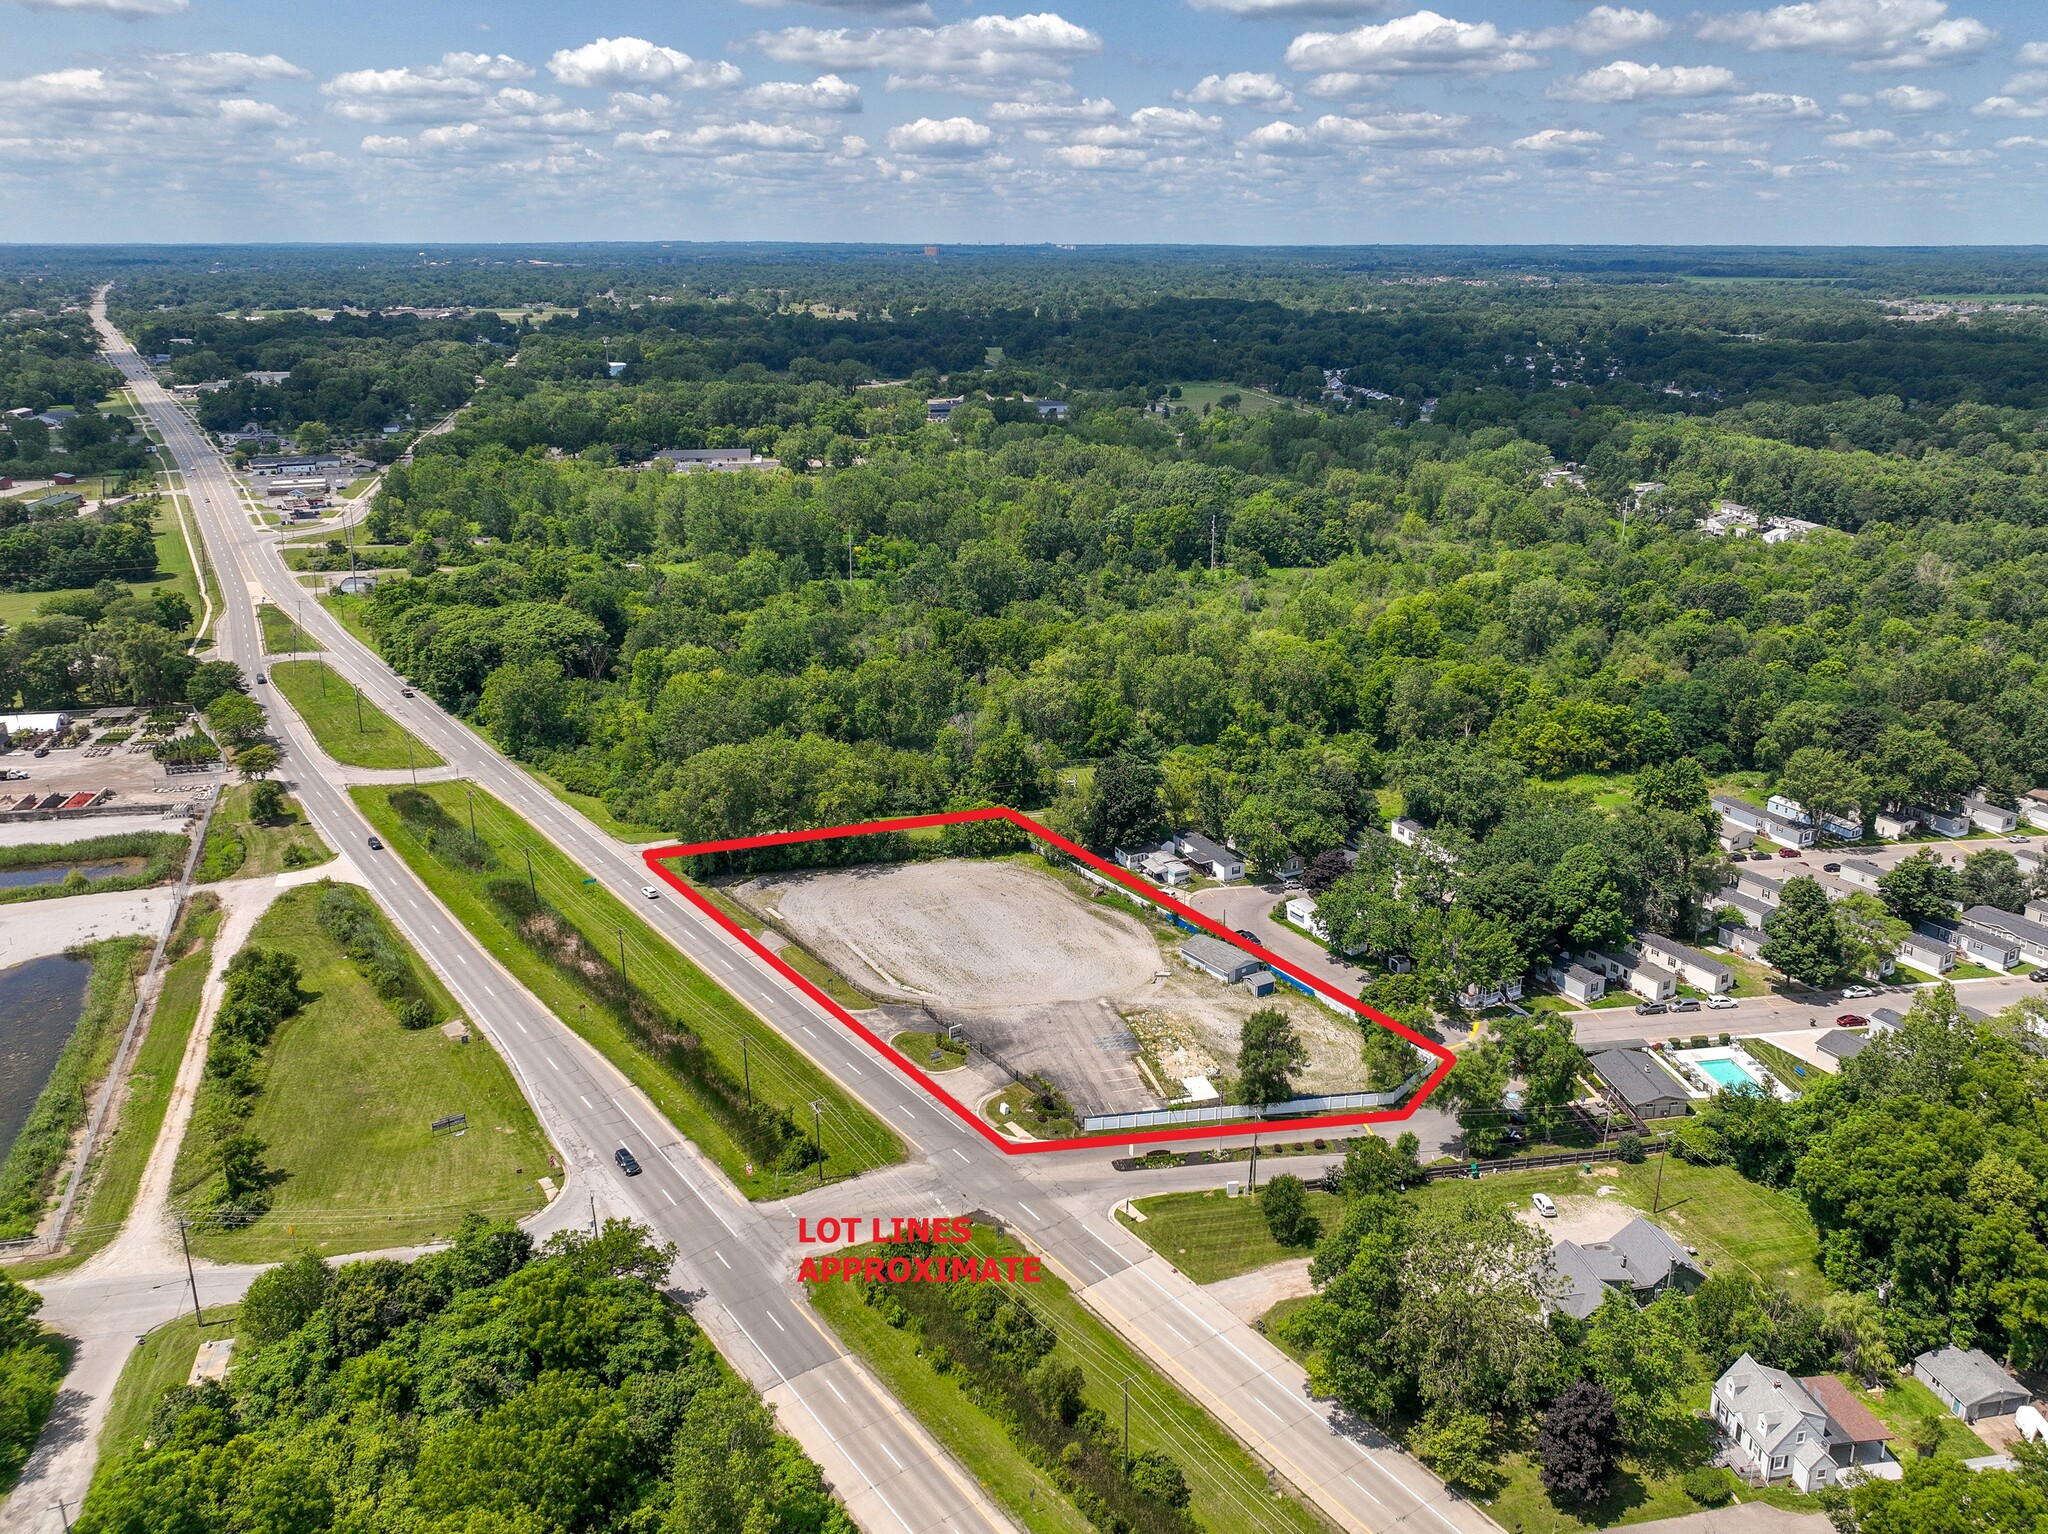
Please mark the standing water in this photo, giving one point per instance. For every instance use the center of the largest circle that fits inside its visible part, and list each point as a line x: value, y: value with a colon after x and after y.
x: 40, y: 1003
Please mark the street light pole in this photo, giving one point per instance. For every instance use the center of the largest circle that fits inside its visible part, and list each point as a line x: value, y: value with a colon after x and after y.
x: 531, y: 888
x: 472, y: 812
x: 190, y: 1277
x: 622, y: 957
x: 1657, y: 1198
x: 359, y: 709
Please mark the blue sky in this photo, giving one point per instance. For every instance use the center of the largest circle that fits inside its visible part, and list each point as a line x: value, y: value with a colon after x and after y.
x: 1241, y: 121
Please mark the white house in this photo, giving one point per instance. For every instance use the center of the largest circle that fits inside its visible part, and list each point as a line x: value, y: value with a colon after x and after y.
x: 1301, y: 912
x: 2034, y: 806
x: 1995, y: 818
x: 1407, y: 832
x: 1786, y: 809
x: 1891, y: 827
x: 1944, y: 820
x: 1861, y: 872
x: 1805, y: 1431
x: 1697, y: 969
x: 1646, y: 978
x: 2016, y: 937
x: 1760, y: 886
x: 1843, y: 828
x: 1219, y: 863
x: 1927, y: 955
x: 1737, y: 812
x: 1577, y: 982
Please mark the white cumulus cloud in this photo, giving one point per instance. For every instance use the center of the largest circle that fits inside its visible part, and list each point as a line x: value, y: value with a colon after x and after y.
x: 726, y: 138
x: 827, y: 93
x: 964, y: 55
x: 1561, y: 141
x: 1607, y: 27
x: 1244, y: 88
x: 1875, y: 34
x: 942, y: 137
x: 1259, y: 9
x: 1424, y: 43
x: 1908, y: 99
x: 1626, y: 80
x: 221, y: 71
x: 614, y: 62
x: 126, y: 10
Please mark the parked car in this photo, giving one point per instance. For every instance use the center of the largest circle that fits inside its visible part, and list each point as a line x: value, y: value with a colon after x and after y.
x: 1720, y: 1003
x: 375, y: 845
x: 1686, y: 1004
x: 2016, y: 838
x: 650, y: 892
x: 627, y: 1163
x: 2037, y: 975
x: 1788, y: 852
x: 1248, y: 936
x: 1738, y: 857
x: 1856, y: 992
x: 1545, y: 1205
x: 1831, y: 868
x: 1651, y: 1009
x: 1852, y: 1020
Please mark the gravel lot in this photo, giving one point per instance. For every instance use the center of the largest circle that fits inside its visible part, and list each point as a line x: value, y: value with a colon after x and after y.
x: 1038, y: 977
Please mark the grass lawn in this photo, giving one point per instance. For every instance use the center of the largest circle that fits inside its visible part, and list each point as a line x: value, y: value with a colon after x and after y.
x: 281, y: 636
x: 1637, y: 1493
x: 1734, y: 1223
x: 174, y: 573
x: 825, y: 978
x: 1252, y: 402
x: 919, y: 1047
x: 1232, y: 1493
x: 161, y: 1361
x: 1751, y: 978
x: 1794, y: 1072
x: 855, y: 1140
x: 365, y: 737
x: 350, y: 611
x: 593, y: 810
x: 1904, y: 1401
x: 1209, y: 1236
x: 1607, y: 790
x: 1964, y: 971
x: 238, y: 848
x: 1015, y: 1105
x: 348, y: 1097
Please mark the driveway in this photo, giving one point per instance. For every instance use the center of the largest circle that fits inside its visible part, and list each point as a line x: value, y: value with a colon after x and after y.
x: 1246, y: 906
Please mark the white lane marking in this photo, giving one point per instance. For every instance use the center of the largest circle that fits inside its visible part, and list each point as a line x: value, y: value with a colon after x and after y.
x: 551, y: 1062
x: 1027, y: 1209
x: 715, y: 1252
x: 835, y: 1390
x: 904, y: 1109
x: 489, y: 992
x: 892, y: 1456
x: 668, y: 1195
x: 806, y: 1029
x: 1275, y: 1415
x: 519, y: 1025
x: 778, y: 1325
x: 962, y: 1155
x: 1098, y: 1267
x: 855, y: 1069
x: 588, y: 1103
x: 1366, y: 1490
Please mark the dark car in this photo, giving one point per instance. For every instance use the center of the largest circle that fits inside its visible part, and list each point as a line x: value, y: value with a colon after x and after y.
x: 1249, y: 937
x: 1685, y: 1004
x: 2037, y: 975
x: 1651, y: 1009
x: 626, y: 1162
x: 262, y: 678
x: 1831, y: 868
x: 405, y: 692
x: 375, y: 845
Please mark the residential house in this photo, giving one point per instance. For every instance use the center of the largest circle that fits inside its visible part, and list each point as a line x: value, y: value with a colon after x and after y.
x: 1926, y: 954
x: 1159, y: 864
x: 1640, y: 1082
x: 1892, y: 827
x: 1753, y: 910
x: 2001, y: 931
x: 1219, y: 863
x: 2031, y: 858
x: 1995, y: 818
x: 1697, y: 969
x: 1760, y: 886
x: 2037, y: 910
x: 1861, y: 872
x: 1728, y: 519
x: 1738, y: 813
x: 942, y: 409
x: 1943, y: 819
x: 1987, y: 945
x: 1226, y: 961
x: 1843, y: 828
x: 1787, y: 809
x: 1810, y: 1432
x: 1477, y: 998
x: 1408, y: 833
x: 1736, y: 838
x: 2034, y: 807
x: 1645, y: 977
x: 1788, y: 832
x: 1576, y: 982
x: 1742, y: 938
x: 1301, y: 912
x: 1640, y: 1260
x: 714, y: 460
x: 1970, y: 1383
x: 1840, y: 1044
x: 1051, y: 409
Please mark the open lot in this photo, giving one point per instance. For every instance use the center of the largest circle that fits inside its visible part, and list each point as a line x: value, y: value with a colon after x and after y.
x: 1041, y: 979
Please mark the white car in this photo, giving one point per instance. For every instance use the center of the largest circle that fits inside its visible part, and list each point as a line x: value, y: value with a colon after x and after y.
x: 1720, y: 1003
x: 650, y: 892
x: 1544, y: 1205
x: 1857, y: 992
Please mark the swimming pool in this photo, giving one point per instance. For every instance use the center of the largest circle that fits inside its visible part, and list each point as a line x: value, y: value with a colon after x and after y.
x: 1727, y: 1073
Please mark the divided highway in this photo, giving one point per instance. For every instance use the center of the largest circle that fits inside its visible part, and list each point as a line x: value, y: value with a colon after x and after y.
x: 741, y: 1258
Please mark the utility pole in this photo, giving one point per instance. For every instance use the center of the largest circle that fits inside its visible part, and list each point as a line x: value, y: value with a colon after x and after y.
x: 593, y: 1216
x: 472, y: 812
x: 64, y: 1512
x: 818, y: 1135
x: 1657, y: 1198
x: 1253, y: 1182
x: 190, y: 1277
x: 747, y: 1070
x: 531, y: 888
x: 411, y: 765
x: 359, y: 708
x: 622, y: 955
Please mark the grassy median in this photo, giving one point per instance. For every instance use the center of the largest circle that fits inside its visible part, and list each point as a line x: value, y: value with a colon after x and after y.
x: 345, y: 1109
x: 355, y: 733
x: 239, y: 846
x: 281, y: 635
x: 957, y: 1397
x: 462, y: 877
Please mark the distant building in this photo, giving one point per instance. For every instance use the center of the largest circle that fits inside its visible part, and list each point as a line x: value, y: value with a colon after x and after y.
x: 1225, y: 961
x: 715, y: 460
x: 1970, y: 1383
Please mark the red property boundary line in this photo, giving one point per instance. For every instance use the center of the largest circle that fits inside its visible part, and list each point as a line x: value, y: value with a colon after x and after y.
x: 654, y: 856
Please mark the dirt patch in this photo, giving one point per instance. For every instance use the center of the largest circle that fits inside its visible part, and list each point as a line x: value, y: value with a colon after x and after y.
x: 1581, y: 1217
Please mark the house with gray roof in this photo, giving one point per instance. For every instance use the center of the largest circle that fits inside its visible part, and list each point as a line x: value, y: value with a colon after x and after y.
x: 1760, y: 886
x: 1640, y: 1260
x: 1991, y: 817
x: 1861, y: 872
x: 1991, y: 930
x: 1810, y: 1432
x: 1219, y: 863
x: 1928, y: 955
x: 1577, y: 982
x: 1970, y: 1383
x: 1640, y: 1082
x: 1701, y: 970
x: 1842, y: 1043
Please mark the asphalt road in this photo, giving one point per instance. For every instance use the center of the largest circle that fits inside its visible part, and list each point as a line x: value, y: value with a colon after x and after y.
x: 742, y: 1257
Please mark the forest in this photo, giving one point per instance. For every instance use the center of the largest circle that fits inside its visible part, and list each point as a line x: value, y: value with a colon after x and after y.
x: 487, y: 1384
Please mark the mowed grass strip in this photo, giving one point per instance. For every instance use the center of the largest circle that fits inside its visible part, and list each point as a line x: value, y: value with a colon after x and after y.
x: 281, y: 636
x: 1210, y: 1237
x: 240, y: 848
x: 855, y: 1140
x: 328, y: 704
x: 1232, y: 1492
x: 161, y: 1361
x: 346, y: 1110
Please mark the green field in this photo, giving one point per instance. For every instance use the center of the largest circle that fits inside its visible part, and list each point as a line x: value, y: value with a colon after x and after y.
x: 347, y: 1100
x: 161, y: 1361
x: 174, y: 572
x: 1209, y: 1236
x: 1232, y: 1492
x: 238, y: 848
x: 1253, y: 402
x: 855, y: 1140
x: 282, y: 636
x: 1734, y: 1223
x: 353, y: 735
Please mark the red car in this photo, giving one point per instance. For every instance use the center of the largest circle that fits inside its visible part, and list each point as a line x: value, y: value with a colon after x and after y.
x: 1788, y: 852
x: 1851, y: 1020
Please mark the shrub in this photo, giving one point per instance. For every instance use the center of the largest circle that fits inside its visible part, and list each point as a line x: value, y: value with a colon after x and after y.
x: 1285, y: 1205
x: 1629, y: 1148
x: 1709, y: 1485
x: 1578, y: 1442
